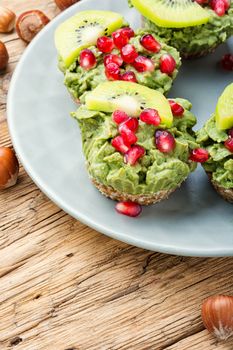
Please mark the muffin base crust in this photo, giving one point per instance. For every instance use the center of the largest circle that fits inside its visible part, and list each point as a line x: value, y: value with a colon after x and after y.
x: 226, y: 193
x: 143, y: 199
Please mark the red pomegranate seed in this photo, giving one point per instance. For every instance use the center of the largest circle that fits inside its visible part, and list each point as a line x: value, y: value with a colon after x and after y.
x: 164, y: 141
x: 150, y: 116
x: 128, y: 135
x: 229, y: 144
x: 119, y: 117
x: 133, y: 154
x: 112, y: 71
x: 119, y: 145
x: 227, y: 61
x: 128, y: 32
x: 202, y: 2
x: 227, y: 4
x: 128, y: 53
x: 87, y: 59
x: 230, y: 133
x: 177, y: 110
x: 129, y: 76
x: 120, y: 39
x: 167, y: 64
x: 143, y: 64
x: 113, y: 59
x: 150, y: 43
x: 105, y: 44
x: 132, y: 124
x: 128, y: 208
x: 199, y: 155
x: 219, y: 8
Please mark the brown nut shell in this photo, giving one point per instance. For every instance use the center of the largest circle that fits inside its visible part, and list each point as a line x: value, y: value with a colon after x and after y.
x: 4, y: 56
x: 9, y: 168
x: 64, y: 4
x: 29, y: 23
x: 217, y: 316
x: 7, y: 20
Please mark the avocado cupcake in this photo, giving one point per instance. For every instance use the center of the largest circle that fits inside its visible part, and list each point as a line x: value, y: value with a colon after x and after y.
x: 137, y: 144
x: 194, y: 27
x: 95, y: 46
x: 216, y: 137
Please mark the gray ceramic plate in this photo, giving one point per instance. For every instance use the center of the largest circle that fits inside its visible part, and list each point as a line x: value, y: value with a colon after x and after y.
x: 194, y: 221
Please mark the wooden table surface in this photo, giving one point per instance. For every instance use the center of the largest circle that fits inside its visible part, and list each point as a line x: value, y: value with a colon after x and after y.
x: 64, y: 286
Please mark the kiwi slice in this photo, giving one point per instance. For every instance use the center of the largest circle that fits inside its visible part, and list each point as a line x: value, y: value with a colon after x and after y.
x: 224, y: 109
x: 129, y: 97
x: 83, y: 30
x: 173, y: 13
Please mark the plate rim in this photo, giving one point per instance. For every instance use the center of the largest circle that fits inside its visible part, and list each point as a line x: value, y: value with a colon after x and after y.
x: 163, y: 248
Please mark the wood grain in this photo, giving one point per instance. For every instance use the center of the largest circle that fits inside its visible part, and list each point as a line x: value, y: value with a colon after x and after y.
x: 64, y: 286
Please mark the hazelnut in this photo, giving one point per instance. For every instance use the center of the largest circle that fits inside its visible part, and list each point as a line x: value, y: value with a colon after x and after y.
x: 7, y: 20
x: 9, y: 168
x: 4, y: 57
x: 29, y: 23
x: 217, y: 316
x: 64, y: 4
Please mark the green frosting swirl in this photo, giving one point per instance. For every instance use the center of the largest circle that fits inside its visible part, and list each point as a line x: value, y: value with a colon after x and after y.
x: 197, y: 39
x: 79, y: 81
x: 220, y: 163
x: 153, y: 172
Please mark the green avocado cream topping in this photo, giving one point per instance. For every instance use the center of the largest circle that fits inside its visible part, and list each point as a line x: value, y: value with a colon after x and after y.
x: 220, y: 163
x: 196, y: 40
x: 153, y: 172
x: 79, y: 81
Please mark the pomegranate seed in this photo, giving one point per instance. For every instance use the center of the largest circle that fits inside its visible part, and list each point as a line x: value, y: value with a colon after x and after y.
x: 128, y: 135
x: 87, y: 59
x: 199, y: 155
x: 167, y: 64
x: 227, y: 4
x: 133, y: 154
x: 128, y: 31
x: 105, y: 44
x: 128, y: 208
x: 229, y: 144
x: 227, y: 61
x: 119, y: 145
x: 129, y: 76
x: 230, y: 133
x: 150, y: 43
x: 119, y: 117
x: 202, y: 2
x: 143, y: 64
x: 128, y: 53
x: 120, y: 38
x: 219, y: 7
x: 112, y: 71
x: 132, y: 124
x: 177, y: 110
x: 164, y: 141
x: 113, y: 59
x: 150, y: 116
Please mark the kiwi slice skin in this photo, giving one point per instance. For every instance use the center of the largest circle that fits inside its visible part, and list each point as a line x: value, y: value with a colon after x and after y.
x: 130, y: 97
x: 224, y: 109
x: 172, y: 14
x: 83, y: 30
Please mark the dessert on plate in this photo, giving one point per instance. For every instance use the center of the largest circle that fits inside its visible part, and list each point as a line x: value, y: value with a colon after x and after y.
x: 193, y: 27
x: 95, y: 46
x: 137, y: 143
x: 216, y: 137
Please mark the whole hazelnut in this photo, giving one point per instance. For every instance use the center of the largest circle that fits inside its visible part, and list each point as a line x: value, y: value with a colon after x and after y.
x: 29, y: 23
x: 7, y: 20
x: 4, y: 57
x: 9, y: 168
x: 64, y: 4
